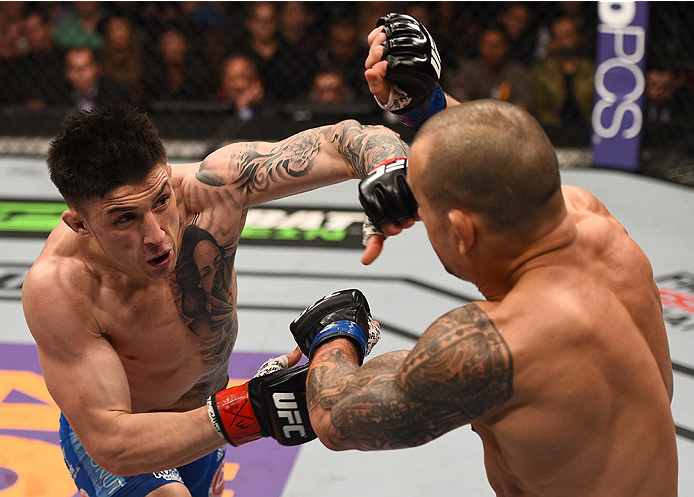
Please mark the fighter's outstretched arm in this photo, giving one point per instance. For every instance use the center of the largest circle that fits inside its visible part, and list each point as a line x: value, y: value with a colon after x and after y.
x: 403, y: 399
x: 250, y: 173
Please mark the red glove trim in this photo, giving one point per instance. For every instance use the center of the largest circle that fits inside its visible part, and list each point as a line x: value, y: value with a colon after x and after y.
x: 234, y: 413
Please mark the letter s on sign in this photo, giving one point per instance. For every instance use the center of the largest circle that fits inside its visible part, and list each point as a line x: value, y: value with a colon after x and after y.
x: 617, y: 14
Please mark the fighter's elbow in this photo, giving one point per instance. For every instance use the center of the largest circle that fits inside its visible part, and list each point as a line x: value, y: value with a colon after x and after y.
x: 112, y: 460
x: 321, y: 423
x: 111, y: 454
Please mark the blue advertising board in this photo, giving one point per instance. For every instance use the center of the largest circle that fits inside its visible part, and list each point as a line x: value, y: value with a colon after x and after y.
x: 620, y: 84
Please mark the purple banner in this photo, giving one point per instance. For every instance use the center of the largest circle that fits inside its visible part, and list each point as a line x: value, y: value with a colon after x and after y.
x: 30, y: 453
x: 620, y: 84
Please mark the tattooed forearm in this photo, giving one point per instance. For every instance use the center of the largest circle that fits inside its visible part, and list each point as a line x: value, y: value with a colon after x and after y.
x: 329, y: 379
x: 460, y: 370
x: 367, y: 146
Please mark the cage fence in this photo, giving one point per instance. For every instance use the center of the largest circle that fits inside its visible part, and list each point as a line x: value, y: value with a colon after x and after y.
x: 210, y: 73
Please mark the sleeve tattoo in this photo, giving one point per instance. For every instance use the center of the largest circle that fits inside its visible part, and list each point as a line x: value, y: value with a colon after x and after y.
x: 461, y: 369
x: 364, y: 147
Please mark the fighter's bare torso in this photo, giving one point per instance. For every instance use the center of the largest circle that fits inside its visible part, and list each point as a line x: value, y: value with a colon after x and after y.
x: 173, y: 335
x: 591, y: 369
x: 149, y: 273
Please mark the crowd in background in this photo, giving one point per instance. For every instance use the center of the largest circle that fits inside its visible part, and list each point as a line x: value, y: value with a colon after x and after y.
x: 252, y: 58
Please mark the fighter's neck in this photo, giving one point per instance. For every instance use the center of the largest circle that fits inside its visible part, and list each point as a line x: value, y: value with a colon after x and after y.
x: 508, y: 264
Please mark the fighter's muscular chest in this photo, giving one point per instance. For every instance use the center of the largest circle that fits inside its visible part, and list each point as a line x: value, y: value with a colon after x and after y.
x: 175, y: 337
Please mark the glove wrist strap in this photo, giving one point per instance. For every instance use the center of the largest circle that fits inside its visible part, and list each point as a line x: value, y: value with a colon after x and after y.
x: 397, y: 99
x: 348, y: 329
x: 233, y: 417
x: 414, y: 118
x: 214, y: 417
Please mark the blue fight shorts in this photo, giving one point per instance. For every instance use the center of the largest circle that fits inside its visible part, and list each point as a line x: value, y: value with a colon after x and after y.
x: 202, y: 478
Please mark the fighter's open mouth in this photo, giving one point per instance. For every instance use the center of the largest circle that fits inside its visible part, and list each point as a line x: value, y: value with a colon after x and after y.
x: 161, y: 259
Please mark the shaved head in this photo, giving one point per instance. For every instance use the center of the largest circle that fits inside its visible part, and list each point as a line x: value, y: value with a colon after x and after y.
x: 491, y: 158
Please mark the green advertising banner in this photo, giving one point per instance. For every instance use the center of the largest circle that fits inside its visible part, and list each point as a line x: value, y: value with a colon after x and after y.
x: 298, y: 226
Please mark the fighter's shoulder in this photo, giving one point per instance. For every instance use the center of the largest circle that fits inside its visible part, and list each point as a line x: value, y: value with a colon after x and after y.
x: 581, y: 203
x: 584, y: 206
x: 578, y: 199
x: 58, y: 279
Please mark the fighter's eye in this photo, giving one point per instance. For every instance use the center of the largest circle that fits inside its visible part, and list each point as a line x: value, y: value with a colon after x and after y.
x: 124, y: 218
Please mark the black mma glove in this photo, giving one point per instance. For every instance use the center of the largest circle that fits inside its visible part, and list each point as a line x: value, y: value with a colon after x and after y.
x: 341, y: 314
x: 273, y: 405
x: 414, y: 63
x: 385, y: 194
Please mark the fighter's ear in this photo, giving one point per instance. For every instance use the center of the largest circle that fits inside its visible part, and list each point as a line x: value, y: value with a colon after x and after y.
x: 76, y: 222
x: 464, y: 227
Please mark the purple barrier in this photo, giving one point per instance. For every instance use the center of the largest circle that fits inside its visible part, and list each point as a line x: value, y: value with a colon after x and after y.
x: 30, y: 453
x: 620, y: 84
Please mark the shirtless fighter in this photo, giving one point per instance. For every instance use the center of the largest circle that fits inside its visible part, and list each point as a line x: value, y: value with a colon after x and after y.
x: 132, y: 301
x: 563, y: 370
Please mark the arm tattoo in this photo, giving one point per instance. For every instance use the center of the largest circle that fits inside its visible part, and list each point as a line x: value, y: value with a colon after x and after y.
x: 365, y: 147
x: 460, y: 370
x: 255, y: 171
x: 207, y: 176
x: 291, y: 159
x: 464, y: 360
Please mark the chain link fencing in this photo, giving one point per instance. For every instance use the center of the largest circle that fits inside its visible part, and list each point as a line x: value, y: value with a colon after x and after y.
x: 210, y: 73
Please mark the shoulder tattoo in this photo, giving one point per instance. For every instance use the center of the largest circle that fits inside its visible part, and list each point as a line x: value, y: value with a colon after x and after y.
x: 462, y: 360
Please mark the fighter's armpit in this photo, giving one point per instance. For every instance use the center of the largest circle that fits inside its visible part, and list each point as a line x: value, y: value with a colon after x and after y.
x: 461, y: 360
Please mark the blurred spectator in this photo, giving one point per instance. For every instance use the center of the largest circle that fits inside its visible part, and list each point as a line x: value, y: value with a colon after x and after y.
x: 346, y: 52
x: 564, y: 86
x: 297, y: 27
x: 666, y: 114
x: 521, y: 33
x: 12, y: 47
x: 330, y: 88
x: 492, y: 74
x: 667, y: 143
x: 422, y: 12
x: 12, y: 44
x: 661, y: 86
x: 176, y: 73
x: 122, y: 56
x: 56, y: 11
x: 584, y: 15
x: 368, y: 13
x: 207, y: 32
x: 80, y: 26
x: 242, y: 91
x: 39, y: 72
x: 457, y: 31
x: 277, y: 63
x: 87, y: 86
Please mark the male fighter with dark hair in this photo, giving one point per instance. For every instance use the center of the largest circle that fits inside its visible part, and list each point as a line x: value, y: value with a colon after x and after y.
x: 563, y: 370
x: 132, y: 301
